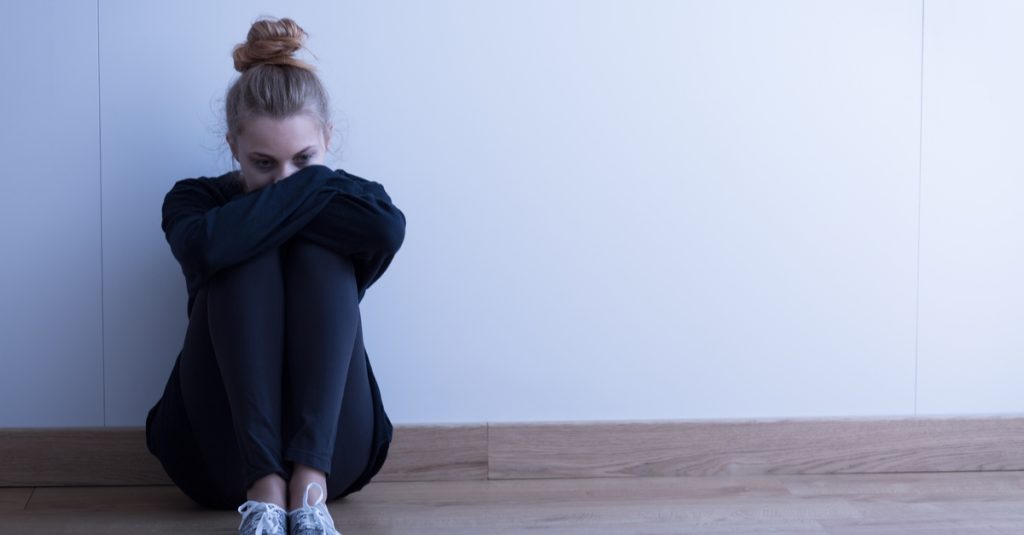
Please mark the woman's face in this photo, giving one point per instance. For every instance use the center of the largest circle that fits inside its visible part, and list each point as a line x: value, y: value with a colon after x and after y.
x: 271, y: 149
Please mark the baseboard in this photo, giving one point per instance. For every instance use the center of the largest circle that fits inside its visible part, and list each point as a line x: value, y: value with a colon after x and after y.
x: 118, y: 455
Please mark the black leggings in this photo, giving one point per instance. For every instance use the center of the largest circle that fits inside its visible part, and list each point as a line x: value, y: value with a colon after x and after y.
x: 272, y: 371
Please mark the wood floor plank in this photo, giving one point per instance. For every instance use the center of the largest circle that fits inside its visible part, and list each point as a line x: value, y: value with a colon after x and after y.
x: 588, y: 490
x: 877, y: 504
x: 927, y: 527
x: 119, y: 523
x: 921, y: 503
x: 655, y: 505
x: 924, y: 525
x: 116, y: 510
x: 709, y: 448
x: 91, y: 499
x: 945, y: 486
x: 14, y: 498
x: 110, y: 523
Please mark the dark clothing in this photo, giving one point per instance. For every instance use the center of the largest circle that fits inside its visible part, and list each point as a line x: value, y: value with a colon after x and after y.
x: 274, y: 345
x: 347, y: 214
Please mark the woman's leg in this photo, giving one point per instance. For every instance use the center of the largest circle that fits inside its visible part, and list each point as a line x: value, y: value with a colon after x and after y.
x: 328, y: 406
x: 355, y: 426
x: 233, y: 394
x: 191, y: 430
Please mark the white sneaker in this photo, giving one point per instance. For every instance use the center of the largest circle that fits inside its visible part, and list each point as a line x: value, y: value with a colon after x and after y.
x: 262, y: 518
x: 312, y: 519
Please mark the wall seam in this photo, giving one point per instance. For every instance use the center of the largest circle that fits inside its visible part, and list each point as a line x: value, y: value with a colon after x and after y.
x: 103, y: 293
x: 920, y: 181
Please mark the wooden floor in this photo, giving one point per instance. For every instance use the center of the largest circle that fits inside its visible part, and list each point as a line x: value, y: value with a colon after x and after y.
x: 877, y: 504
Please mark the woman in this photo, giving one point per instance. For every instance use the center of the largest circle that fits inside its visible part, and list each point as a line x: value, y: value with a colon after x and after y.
x: 272, y: 400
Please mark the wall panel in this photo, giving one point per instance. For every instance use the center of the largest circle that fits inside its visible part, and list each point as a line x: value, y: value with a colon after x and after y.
x: 50, y: 323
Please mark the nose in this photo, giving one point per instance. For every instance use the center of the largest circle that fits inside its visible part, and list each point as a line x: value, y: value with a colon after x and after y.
x: 286, y: 171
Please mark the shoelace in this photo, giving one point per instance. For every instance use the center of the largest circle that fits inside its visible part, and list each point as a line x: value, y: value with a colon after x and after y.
x: 269, y: 523
x: 314, y: 516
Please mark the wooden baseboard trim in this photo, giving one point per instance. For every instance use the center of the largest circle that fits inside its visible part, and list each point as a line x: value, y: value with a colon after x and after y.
x: 118, y: 455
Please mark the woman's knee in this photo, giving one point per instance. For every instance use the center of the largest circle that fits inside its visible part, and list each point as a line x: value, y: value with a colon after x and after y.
x: 258, y: 269
x: 255, y: 282
x: 246, y: 296
x: 312, y: 259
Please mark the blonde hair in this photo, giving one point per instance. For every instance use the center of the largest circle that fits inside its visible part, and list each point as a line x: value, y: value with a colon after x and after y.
x: 273, y: 82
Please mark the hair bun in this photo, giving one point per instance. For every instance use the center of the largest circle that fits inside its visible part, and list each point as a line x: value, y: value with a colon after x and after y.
x: 271, y: 42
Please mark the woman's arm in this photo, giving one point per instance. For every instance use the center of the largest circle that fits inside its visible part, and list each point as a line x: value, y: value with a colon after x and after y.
x: 361, y: 219
x: 207, y: 234
x: 367, y: 226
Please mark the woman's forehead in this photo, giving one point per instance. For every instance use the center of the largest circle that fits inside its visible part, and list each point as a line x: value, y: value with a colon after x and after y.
x: 284, y: 135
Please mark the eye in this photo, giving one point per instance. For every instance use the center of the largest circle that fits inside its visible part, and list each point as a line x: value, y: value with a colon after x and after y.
x: 305, y: 157
x: 264, y: 163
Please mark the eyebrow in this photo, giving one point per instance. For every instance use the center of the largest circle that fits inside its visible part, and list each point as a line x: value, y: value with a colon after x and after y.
x: 271, y: 157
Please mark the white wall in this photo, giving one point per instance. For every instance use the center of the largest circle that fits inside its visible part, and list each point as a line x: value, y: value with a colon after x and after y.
x: 51, y: 320
x: 972, y: 250
x: 616, y: 210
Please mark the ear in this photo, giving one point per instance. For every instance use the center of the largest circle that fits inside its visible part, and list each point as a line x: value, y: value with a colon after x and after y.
x: 327, y: 135
x: 231, y: 143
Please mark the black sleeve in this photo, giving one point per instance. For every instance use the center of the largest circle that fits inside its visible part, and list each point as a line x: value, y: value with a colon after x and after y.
x: 207, y: 235
x: 363, y: 223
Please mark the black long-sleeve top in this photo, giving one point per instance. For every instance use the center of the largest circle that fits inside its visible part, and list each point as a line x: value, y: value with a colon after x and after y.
x: 212, y: 223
